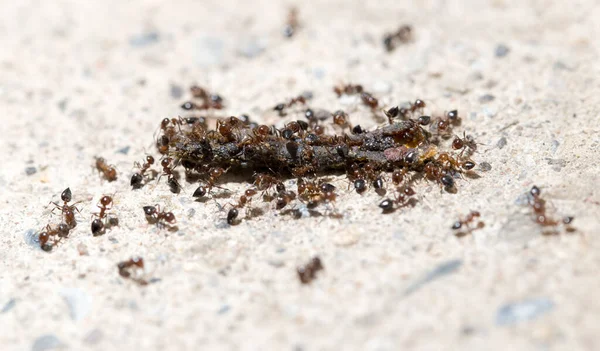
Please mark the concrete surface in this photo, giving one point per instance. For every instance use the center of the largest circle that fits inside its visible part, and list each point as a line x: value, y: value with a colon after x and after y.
x: 83, y: 79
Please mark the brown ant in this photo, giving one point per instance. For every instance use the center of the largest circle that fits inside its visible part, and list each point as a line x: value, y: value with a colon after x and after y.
x: 138, y: 177
x: 443, y: 125
x: 242, y: 202
x: 347, y: 89
x: 340, y: 118
x: 109, y: 171
x: 129, y: 269
x: 539, y: 211
x: 369, y: 100
x: 208, y: 101
x: 284, y: 198
x: 161, y: 218
x: 292, y: 23
x: 404, y: 112
x: 314, y: 193
x: 214, y: 174
x: 434, y: 171
x: 98, y: 224
x: 280, y: 108
x: 466, y: 143
x: 466, y: 222
x: 402, y: 36
x: 308, y: 272
x: 68, y: 211
x: 56, y: 233
x: 168, y: 166
x: 403, y: 198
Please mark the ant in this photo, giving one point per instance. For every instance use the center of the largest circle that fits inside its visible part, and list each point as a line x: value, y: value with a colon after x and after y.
x: 369, y: 100
x: 539, y: 211
x: 98, y: 225
x: 403, y: 35
x: 68, y: 211
x: 280, y: 108
x: 214, y: 174
x: 109, y: 171
x: 61, y: 231
x: 308, y: 272
x: 291, y: 23
x: 138, y: 177
x: 434, y: 171
x: 443, y: 125
x: 340, y: 118
x: 314, y: 193
x: 467, y: 143
x: 405, y: 111
x: 174, y: 185
x: 284, y: 198
x: 465, y: 222
x: 127, y: 268
x: 403, y: 198
x: 243, y: 201
x: 161, y: 218
x: 214, y: 101
x: 348, y: 89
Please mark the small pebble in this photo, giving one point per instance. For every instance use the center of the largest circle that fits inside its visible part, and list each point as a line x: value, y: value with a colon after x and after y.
x: 486, y: 98
x: 526, y: 310
x: 382, y: 87
x: 9, y: 305
x: 78, y: 301
x: 144, y: 39
x: 501, y: 143
x: 124, y: 150
x: 93, y: 337
x: 176, y: 91
x: 485, y: 167
x: 224, y: 309
x: 438, y: 272
x: 30, y: 170
x: 502, y: 50
x: 209, y: 51
x: 252, y: 47
x: 46, y: 342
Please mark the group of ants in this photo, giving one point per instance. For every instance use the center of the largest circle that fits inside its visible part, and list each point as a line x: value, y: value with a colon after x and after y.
x: 311, y: 192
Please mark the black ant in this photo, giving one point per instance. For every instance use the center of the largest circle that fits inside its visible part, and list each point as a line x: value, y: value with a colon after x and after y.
x: 98, y: 224
x: 109, y: 171
x: 128, y: 269
x: 161, y: 218
x: 308, y: 272
x: 68, y: 211
x: 403, y: 35
x: 57, y: 233
x: 466, y: 222
x: 138, y: 177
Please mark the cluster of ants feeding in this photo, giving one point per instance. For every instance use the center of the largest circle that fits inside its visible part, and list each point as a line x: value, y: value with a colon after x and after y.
x: 410, y: 147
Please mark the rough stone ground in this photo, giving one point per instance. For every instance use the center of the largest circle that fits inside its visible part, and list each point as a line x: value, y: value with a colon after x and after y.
x: 84, y: 79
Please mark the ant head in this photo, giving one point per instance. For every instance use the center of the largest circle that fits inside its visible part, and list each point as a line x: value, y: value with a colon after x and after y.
x: 105, y: 200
